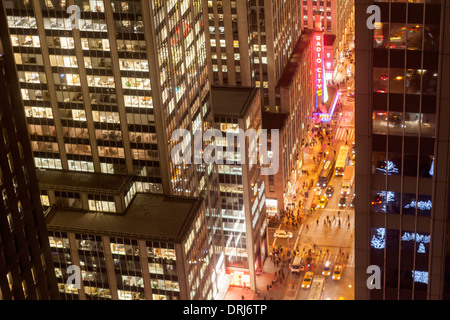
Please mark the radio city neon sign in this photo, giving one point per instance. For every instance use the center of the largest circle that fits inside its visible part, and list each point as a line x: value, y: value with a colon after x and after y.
x: 319, y: 63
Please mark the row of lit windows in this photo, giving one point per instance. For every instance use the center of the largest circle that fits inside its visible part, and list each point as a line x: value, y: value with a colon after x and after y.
x: 223, y: 43
x: 73, y: 79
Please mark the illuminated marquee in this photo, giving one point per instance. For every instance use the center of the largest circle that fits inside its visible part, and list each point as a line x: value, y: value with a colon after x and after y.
x: 320, y: 86
x: 319, y: 66
x: 326, y: 117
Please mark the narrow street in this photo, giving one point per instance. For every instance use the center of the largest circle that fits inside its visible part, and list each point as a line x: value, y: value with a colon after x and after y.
x: 324, y: 242
x: 321, y: 236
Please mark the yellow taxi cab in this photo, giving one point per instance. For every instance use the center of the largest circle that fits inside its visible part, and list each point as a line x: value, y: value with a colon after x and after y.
x: 327, y: 269
x: 337, y: 272
x: 323, y: 202
x: 307, y: 279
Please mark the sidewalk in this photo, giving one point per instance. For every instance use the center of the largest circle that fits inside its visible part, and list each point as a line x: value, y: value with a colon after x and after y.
x: 262, y: 281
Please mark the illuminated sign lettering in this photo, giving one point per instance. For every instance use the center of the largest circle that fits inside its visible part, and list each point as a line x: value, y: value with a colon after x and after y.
x: 320, y: 85
x: 318, y: 64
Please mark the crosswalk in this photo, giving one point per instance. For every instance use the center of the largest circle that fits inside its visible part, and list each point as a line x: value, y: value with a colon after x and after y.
x: 345, y: 134
x: 336, y: 258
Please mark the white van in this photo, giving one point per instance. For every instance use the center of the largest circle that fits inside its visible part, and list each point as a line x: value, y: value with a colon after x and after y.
x: 297, y: 265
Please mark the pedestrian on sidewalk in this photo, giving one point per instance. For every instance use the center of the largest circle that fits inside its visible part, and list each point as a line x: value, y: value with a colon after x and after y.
x: 276, y: 273
x: 243, y: 298
x: 348, y: 217
x: 307, y: 228
x: 339, y: 213
x: 348, y: 227
x: 317, y: 222
x: 339, y: 223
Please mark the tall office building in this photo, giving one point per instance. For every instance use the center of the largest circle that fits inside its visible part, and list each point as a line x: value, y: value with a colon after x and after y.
x: 242, y: 188
x: 336, y: 18
x: 402, y: 143
x: 26, y: 267
x: 326, y: 9
x: 345, y: 20
x: 104, y: 95
x: 250, y: 43
x: 296, y: 97
x: 105, y: 83
x: 145, y: 254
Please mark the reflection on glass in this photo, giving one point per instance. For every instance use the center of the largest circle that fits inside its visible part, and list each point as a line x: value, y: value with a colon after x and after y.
x: 396, y: 80
x: 407, y: 123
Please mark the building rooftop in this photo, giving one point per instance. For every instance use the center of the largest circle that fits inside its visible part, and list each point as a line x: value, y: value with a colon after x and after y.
x: 149, y: 216
x: 232, y: 101
x: 272, y: 120
x: 81, y: 181
x: 291, y: 67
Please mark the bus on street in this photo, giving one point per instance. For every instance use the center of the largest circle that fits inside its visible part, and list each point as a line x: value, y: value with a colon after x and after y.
x: 341, y: 161
x: 326, y: 171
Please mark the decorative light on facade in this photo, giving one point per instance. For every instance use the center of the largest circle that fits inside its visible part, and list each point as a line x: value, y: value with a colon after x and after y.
x: 378, y: 240
x: 421, y: 248
x: 413, y: 236
x: 389, y: 168
x: 420, y: 276
x: 421, y: 205
x: 431, y: 169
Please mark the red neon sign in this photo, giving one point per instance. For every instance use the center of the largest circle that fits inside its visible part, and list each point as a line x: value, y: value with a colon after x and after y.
x: 318, y: 63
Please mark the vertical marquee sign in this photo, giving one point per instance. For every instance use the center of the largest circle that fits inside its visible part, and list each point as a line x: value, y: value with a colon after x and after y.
x: 318, y: 68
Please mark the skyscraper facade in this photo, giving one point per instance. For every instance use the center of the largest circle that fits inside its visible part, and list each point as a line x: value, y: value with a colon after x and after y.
x: 146, y: 254
x: 250, y: 43
x: 402, y: 139
x: 26, y: 267
x: 296, y: 97
x: 105, y: 83
x: 327, y: 10
x: 242, y: 188
x: 104, y: 94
